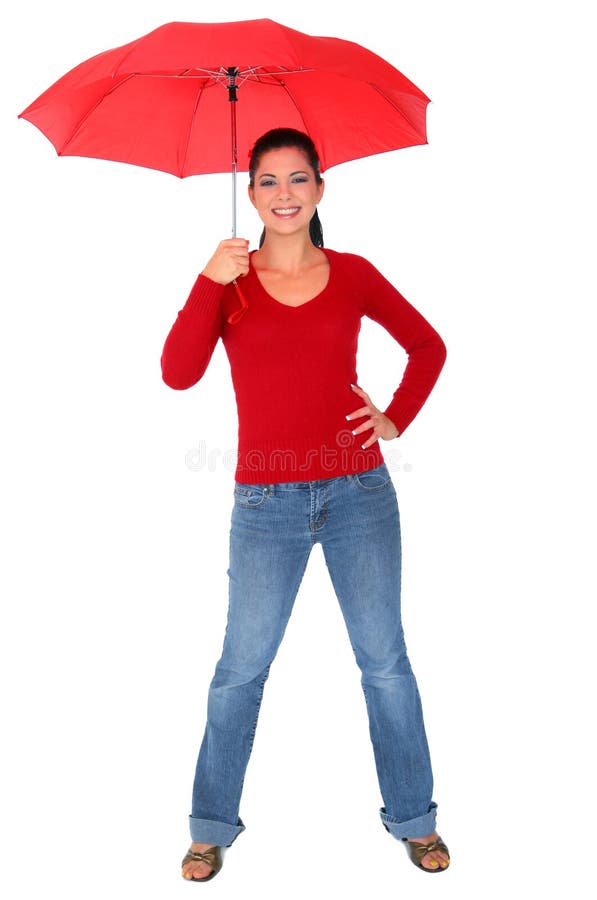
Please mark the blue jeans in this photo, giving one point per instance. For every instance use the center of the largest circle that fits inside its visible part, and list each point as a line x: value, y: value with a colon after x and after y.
x: 273, y: 528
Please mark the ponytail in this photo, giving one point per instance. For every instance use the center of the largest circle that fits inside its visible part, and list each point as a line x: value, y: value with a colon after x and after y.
x: 315, y: 230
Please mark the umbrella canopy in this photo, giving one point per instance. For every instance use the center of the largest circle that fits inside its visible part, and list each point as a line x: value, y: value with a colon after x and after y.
x: 160, y: 101
x: 168, y: 100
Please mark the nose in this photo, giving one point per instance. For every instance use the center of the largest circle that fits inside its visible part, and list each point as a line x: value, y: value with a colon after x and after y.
x: 284, y: 191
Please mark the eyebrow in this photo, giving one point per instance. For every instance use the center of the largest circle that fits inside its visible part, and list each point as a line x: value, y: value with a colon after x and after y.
x: 269, y: 174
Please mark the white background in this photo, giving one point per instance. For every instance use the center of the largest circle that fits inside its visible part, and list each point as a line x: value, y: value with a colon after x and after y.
x: 115, y: 543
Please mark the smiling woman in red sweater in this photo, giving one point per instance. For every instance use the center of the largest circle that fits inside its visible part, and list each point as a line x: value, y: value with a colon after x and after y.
x: 309, y: 470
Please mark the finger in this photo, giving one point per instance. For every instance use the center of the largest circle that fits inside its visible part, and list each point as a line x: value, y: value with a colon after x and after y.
x: 369, y: 441
x: 365, y: 426
x: 363, y: 411
x: 239, y: 259
x: 234, y: 242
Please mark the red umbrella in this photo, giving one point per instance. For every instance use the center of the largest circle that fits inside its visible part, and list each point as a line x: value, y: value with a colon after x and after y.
x: 160, y: 101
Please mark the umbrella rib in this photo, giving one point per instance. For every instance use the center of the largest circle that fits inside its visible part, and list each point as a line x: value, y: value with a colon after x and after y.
x: 282, y: 84
x: 221, y: 76
x: 393, y: 105
x: 254, y: 71
x: 192, y: 122
x: 91, y: 110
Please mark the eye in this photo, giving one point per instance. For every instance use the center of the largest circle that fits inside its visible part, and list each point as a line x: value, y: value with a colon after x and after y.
x: 267, y: 182
x: 298, y: 179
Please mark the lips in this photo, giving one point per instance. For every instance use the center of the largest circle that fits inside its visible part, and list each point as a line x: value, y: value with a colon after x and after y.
x: 286, y: 212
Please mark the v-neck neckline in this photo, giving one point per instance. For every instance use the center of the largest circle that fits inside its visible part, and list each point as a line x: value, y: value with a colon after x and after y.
x: 290, y: 305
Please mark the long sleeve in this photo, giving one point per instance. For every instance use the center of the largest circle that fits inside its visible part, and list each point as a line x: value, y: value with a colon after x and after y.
x: 194, y: 335
x: 425, y: 349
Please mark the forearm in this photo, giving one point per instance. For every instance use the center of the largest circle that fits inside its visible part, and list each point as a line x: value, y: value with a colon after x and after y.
x: 193, y: 336
x: 425, y: 362
x: 425, y: 348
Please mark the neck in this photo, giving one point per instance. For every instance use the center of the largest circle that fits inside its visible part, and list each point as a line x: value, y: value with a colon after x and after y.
x: 287, y: 253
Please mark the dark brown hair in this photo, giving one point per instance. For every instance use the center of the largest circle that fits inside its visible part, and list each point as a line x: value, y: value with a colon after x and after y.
x: 276, y: 139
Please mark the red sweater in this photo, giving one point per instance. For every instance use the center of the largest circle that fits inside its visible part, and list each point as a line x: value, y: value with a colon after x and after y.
x: 292, y: 368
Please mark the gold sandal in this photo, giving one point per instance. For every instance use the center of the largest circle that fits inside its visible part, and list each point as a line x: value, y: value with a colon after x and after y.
x: 417, y: 851
x: 213, y: 858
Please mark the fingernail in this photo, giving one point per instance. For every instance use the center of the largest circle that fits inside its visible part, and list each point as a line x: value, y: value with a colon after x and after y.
x: 347, y: 418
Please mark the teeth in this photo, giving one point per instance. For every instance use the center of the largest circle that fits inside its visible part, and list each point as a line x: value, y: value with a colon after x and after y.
x: 286, y: 212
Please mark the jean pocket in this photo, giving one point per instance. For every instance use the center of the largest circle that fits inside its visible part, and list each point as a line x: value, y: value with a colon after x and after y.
x: 250, y: 494
x: 373, y: 479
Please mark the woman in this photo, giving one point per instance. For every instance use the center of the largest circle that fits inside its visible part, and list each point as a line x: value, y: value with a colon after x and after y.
x: 309, y: 469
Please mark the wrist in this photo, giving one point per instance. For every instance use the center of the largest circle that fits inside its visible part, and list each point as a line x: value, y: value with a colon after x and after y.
x: 207, y: 274
x: 394, y: 427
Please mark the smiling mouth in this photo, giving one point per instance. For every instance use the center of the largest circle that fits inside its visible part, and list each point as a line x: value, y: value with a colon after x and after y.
x: 288, y: 211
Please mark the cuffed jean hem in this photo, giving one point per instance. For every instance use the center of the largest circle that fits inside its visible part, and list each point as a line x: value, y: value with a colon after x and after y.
x: 419, y: 827
x: 208, y: 831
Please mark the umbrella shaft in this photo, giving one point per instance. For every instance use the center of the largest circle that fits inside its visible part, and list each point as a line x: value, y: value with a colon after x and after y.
x: 234, y: 199
x: 234, y: 163
x: 232, y: 73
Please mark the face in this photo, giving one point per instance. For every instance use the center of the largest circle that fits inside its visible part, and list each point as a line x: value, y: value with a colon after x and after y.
x: 285, y: 192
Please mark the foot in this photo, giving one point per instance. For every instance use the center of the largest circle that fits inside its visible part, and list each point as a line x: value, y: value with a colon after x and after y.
x: 435, y: 858
x: 195, y: 869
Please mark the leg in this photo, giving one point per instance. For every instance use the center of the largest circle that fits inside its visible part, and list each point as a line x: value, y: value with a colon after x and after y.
x: 264, y: 577
x: 363, y: 555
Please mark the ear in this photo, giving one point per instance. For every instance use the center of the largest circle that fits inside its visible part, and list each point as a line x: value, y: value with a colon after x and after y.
x: 321, y: 187
x: 251, y: 193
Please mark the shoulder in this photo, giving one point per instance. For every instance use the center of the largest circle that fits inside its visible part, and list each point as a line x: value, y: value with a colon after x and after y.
x: 349, y: 259
x: 350, y: 262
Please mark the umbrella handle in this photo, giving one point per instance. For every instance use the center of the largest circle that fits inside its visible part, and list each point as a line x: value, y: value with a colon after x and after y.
x: 237, y: 315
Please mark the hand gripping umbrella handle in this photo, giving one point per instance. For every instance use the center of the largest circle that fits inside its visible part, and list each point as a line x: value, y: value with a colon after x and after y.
x: 237, y: 315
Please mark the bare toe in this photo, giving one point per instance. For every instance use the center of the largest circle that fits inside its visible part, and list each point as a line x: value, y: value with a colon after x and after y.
x: 435, y: 858
x: 196, y: 870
